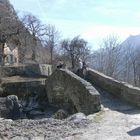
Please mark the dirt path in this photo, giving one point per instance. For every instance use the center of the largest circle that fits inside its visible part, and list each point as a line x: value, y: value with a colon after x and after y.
x: 116, y: 121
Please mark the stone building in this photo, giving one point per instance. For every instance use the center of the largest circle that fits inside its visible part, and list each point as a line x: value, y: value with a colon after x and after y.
x: 11, y: 54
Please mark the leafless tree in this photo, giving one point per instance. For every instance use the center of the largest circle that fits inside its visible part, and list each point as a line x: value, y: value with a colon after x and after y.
x: 119, y: 61
x: 51, y: 39
x: 97, y: 60
x: 75, y: 49
x: 106, y: 59
x: 36, y: 29
x: 111, y: 45
x: 133, y: 64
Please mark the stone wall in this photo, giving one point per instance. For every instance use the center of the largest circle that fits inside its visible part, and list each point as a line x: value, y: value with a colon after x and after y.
x: 3, y: 109
x: 65, y: 89
x: 123, y: 90
x: 27, y: 70
x: 23, y: 87
x: 31, y: 93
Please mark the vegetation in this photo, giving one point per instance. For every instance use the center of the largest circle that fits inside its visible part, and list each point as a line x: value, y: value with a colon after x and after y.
x: 75, y: 49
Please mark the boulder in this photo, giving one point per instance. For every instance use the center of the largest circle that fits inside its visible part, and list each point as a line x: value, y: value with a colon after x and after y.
x: 13, y: 106
x: 4, y: 112
x: 60, y: 114
x: 78, y: 117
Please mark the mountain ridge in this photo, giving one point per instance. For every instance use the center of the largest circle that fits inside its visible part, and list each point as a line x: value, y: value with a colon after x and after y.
x: 132, y: 40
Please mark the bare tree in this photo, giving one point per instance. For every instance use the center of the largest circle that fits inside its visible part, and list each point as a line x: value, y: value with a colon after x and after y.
x: 119, y: 61
x: 75, y: 49
x: 36, y: 29
x: 106, y: 59
x: 51, y: 39
x: 97, y: 60
x: 133, y: 64
x: 112, y: 50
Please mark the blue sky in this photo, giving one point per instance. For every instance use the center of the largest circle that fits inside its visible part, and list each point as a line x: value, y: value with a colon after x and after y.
x: 92, y: 19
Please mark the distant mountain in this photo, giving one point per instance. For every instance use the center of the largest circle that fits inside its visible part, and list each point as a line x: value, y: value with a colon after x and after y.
x: 133, y: 40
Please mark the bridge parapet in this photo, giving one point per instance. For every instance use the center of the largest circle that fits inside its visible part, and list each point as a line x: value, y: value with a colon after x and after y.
x: 123, y: 90
x: 67, y: 90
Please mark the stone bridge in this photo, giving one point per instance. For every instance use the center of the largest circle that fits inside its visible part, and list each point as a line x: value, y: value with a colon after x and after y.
x: 64, y: 88
x: 68, y: 91
x: 122, y: 90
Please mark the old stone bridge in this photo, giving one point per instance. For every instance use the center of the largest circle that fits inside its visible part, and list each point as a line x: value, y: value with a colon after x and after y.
x: 118, y: 102
x: 65, y: 89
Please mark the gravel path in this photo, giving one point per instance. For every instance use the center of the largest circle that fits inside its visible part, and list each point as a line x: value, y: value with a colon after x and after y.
x: 44, y: 129
x: 116, y: 121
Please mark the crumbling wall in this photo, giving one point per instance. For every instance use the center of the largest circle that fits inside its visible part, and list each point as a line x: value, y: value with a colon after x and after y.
x: 23, y: 87
x: 29, y: 70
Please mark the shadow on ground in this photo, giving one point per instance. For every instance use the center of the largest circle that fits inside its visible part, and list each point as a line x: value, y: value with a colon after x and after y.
x: 134, y: 132
x: 114, y: 103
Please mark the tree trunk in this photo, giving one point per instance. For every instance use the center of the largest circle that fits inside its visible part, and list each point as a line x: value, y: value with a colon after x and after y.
x: 2, y: 54
x: 51, y: 53
x: 72, y: 62
x: 34, y: 49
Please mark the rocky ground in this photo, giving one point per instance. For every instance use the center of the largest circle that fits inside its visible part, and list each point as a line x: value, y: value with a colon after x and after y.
x: 116, y: 121
x: 48, y: 129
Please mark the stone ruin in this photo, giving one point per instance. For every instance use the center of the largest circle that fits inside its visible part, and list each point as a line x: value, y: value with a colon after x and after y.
x: 31, y: 91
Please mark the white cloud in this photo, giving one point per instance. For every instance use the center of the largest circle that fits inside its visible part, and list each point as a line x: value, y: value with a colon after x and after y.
x: 94, y: 34
x: 102, y: 31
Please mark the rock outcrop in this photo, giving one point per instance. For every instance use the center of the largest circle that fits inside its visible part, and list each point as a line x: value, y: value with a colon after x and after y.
x: 4, y: 112
x: 13, y: 106
x: 27, y: 82
x: 60, y: 114
x: 18, y: 36
x: 10, y: 107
